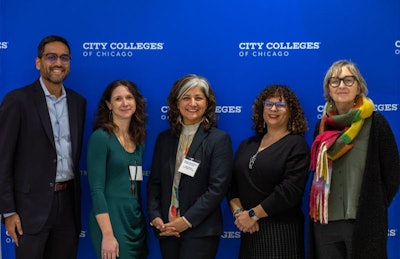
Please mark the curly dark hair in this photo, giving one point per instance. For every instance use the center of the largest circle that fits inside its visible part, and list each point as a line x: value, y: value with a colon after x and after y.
x: 137, y: 126
x: 297, y: 119
x: 179, y: 88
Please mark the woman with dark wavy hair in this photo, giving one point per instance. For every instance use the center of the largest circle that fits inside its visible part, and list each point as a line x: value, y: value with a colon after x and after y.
x: 114, y: 160
x: 269, y: 176
x: 190, y: 174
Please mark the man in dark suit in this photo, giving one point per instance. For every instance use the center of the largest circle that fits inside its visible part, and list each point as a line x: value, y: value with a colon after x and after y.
x: 40, y: 144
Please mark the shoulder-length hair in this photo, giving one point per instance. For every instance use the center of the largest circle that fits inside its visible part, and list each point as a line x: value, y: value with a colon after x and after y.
x: 137, y: 126
x: 179, y: 88
x: 336, y: 68
x: 297, y: 120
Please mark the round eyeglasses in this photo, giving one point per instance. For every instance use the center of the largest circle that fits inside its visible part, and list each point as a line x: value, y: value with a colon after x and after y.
x: 53, y: 57
x: 347, y: 80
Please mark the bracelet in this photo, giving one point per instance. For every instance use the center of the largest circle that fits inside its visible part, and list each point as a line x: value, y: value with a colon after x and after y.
x: 237, y: 211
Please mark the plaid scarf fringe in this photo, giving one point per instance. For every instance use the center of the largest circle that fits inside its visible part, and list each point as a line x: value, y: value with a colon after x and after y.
x: 330, y: 145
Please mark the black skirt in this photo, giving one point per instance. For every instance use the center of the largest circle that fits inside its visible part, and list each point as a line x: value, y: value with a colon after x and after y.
x: 274, y: 240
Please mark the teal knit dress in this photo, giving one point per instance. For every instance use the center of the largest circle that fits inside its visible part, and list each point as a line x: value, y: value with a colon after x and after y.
x: 110, y: 186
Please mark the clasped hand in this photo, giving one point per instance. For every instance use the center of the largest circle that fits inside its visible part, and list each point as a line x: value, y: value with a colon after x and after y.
x: 245, y: 224
x: 172, y: 228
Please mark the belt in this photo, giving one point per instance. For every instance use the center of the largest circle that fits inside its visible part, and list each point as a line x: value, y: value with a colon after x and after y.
x: 63, y: 185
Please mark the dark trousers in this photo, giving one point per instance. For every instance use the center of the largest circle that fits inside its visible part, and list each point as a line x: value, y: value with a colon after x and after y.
x: 59, y: 238
x: 334, y: 240
x: 193, y: 248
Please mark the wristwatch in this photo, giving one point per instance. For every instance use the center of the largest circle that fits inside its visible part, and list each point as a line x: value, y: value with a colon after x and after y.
x: 252, y: 215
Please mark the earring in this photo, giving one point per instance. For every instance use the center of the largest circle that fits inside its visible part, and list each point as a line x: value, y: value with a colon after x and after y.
x: 289, y: 127
x: 264, y: 125
x: 110, y: 115
x: 331, y: 105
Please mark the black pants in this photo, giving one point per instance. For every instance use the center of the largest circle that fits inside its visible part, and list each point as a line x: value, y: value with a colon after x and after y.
x: 58, y: 238
x: 334, y: 240
x: 193, y: 248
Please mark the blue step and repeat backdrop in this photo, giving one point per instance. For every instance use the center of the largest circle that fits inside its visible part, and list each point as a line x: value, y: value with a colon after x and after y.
x: 240, y: 46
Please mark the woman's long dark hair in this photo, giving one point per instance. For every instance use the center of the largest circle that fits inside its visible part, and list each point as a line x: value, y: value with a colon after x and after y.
x: 137, y: 126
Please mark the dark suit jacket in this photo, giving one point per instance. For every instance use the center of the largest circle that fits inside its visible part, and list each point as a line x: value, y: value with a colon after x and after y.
x: 199, y: 196
x: 28, y: 159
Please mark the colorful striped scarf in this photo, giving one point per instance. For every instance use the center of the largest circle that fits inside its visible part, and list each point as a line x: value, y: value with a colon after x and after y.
x: 336, y: 136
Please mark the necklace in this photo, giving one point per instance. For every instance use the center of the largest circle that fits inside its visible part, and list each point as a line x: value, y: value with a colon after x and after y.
x: 252, y: 160
x: 126, y: 142
x: 266, y: 142
x: 128, y: 149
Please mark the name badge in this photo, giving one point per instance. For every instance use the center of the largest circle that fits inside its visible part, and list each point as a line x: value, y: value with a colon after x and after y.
x: 135, y: 171
x: 188, y: 166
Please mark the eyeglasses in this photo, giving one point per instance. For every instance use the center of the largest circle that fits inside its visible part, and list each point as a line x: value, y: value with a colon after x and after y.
x: 347, y: 80
x: 278, y: 105
x: 52, y: 58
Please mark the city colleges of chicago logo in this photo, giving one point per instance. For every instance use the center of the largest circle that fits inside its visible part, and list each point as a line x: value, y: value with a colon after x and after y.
x: 397, y: 47
x: 219, y: 109
x: 275, y: 48
x: 116, y: 49
x: 3, y: 45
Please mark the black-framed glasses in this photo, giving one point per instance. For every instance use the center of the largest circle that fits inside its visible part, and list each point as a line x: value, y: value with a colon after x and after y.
x: 278, y: 105
x: 53, y: 57
x: 347, y: 80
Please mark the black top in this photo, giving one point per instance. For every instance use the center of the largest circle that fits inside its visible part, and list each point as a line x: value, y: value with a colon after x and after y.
x: 277, y: 178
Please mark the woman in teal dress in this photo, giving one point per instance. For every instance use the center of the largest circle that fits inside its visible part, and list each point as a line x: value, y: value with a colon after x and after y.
x: 114, y: 159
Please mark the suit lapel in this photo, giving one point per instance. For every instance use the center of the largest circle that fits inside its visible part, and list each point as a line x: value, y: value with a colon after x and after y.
x: 196, y: 143
x: 197, y: 140
x: 73, y: 115
x: 41, y: 106
x: 172, y: 156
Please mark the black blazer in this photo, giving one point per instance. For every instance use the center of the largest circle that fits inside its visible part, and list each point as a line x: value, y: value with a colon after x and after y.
x: 28, y: 155
x: 201, y: 195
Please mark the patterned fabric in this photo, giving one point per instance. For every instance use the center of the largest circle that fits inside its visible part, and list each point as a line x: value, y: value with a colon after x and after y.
x: 185, y: 139
x: 274, y: 240
x: 337, y: 133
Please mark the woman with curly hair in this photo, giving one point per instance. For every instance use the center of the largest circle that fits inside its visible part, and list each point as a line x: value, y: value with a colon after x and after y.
x: 190, y: 173
x: 114, y: 160
x: 269, y: 176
